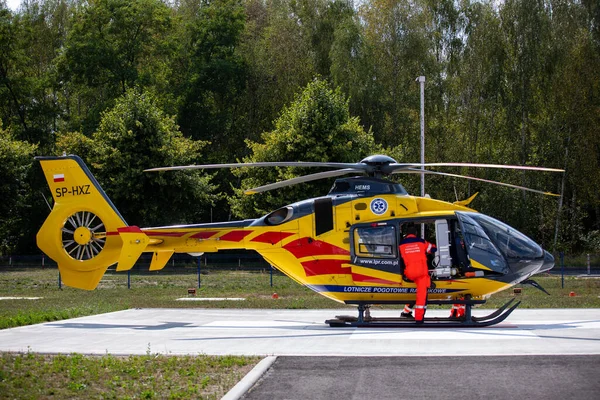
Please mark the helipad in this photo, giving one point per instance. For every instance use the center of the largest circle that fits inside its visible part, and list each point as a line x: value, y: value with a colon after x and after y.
x: 303, y: 332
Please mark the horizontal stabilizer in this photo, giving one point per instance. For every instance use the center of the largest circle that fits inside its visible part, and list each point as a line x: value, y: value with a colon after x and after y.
x: 160, y: 259
x: 134, y: 244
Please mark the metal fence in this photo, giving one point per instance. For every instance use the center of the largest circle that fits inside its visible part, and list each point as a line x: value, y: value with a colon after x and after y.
x: 223, y: 260
x: 249, y: 261
x: 586, y: 264
x: 252, y: 261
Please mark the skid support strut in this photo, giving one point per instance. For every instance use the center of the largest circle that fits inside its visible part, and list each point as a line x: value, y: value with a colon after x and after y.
x: 364, y: 319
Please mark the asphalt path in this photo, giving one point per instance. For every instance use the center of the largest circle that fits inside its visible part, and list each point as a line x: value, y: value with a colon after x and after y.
x: 565, y: 377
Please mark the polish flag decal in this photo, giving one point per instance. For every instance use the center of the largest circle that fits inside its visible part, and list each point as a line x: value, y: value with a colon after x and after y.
x: 59, y: 177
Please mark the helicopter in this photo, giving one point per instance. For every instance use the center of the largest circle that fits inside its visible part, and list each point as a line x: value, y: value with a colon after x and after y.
x: 343, y: 245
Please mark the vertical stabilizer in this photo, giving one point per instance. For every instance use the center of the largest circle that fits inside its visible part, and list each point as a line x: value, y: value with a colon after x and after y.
x: 81, y: 232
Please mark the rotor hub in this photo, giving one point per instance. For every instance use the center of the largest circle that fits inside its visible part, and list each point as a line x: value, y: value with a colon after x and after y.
x: 376, y: 165
x: 82, y: 235
x: 378, y: 159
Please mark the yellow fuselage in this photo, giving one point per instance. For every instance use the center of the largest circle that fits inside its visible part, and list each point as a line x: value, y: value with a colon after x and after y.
x: 323, y: 262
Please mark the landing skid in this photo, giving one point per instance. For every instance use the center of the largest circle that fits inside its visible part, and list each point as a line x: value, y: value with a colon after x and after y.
x: 364, y: 319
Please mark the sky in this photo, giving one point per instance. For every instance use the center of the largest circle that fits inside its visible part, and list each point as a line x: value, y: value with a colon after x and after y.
x: 13, y: 4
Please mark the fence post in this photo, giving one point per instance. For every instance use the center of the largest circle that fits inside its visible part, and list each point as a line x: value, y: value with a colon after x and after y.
x: 588, y: 264
x: 128, y: 279
x: 199, y: 262
x: 562, y: 269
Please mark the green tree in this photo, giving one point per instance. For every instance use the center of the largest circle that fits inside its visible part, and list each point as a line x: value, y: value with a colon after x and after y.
x: 570, y: 116
x: 76, y: 143
x: 213, y: 74
x: 29, y: 42
x: 353, y: 70
x: 473, y: 130
x: 112, y: 46
x: 279, y: 58
x: 319, y: 20
x: 16, y: 158
x: 396, y: 31
x: 315, y: 127
x: 135, y: 135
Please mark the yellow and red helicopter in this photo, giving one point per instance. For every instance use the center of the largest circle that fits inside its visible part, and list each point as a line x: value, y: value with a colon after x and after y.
x: 343, y: 245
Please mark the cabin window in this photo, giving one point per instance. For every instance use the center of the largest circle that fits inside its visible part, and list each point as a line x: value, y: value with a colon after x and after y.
x: 376, y: 241
x: 280, y: 216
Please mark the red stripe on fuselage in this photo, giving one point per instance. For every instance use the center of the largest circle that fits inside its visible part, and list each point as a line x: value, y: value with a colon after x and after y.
x: 235, y: 236
x: 271, y: 237
x: 169, y: 234
x: 305, y: 247
x: 204, y: 235
x: 324, y: 267
x: 128, y: 229
x: 371, y: 279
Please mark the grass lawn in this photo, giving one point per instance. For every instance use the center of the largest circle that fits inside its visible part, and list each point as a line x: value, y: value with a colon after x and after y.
x: 152, y: 376
x: 156, y: 376
x: 162, y: 289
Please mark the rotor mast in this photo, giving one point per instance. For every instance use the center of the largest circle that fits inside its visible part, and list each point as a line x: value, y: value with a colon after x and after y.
x: 421, y: 80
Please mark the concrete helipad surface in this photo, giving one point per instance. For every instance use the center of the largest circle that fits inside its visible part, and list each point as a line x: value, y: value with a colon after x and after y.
x: 303, y: 332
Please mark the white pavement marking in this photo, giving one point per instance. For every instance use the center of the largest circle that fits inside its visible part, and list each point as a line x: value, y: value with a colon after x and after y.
x: 20, y: 298
x: 443, y: 334
x: 256, y: 324
x: 211, y: 299
x: 303, y: 332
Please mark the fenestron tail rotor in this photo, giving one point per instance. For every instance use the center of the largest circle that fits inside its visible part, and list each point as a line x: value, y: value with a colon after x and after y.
x: 83, y: 235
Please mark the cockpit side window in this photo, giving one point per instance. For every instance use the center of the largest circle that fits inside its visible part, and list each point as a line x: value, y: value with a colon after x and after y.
x: 479, y: 246
x: 340, y: 187
x: 476, y: 236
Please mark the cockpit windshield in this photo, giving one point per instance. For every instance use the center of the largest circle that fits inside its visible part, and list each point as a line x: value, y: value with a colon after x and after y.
x: 510, y: 242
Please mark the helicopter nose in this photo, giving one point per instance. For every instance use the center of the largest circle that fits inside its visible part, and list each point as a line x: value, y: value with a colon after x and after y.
x: 548, y: 262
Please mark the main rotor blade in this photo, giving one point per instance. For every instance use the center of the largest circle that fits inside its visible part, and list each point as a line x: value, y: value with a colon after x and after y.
x: 263, y: 164
x: 400, y: 166
x: 300, y: 179
x: 418, y: 171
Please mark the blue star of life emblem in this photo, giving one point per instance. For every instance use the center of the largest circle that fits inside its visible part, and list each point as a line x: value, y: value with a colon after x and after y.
x: 378, y: 206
